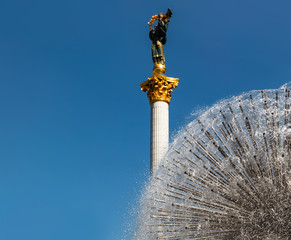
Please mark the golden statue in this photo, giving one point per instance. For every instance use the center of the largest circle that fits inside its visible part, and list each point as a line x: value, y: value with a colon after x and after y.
x: 159, y: 86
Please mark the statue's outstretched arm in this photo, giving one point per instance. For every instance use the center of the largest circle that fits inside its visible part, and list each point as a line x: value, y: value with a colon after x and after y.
x: 166, y: 17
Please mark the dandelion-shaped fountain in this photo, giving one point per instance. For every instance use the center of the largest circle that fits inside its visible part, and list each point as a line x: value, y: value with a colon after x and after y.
x: 227, y: 175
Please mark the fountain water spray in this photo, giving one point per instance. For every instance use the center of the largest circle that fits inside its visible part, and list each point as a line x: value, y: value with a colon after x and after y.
x: 227, y: 175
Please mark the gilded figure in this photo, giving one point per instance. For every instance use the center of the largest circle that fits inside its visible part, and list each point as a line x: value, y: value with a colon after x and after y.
x: 159, y: 86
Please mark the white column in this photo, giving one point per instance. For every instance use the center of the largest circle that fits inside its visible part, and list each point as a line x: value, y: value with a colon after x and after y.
x: 159, y: 132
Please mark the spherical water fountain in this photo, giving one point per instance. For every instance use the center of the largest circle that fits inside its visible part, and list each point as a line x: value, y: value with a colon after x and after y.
x: 227, y: 175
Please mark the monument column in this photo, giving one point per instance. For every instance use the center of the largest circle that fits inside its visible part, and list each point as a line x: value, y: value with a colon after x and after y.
x: 159, y: 88
x: 159, y: 132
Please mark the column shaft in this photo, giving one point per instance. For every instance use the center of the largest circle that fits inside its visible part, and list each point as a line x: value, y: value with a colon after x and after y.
x: 159, y: 132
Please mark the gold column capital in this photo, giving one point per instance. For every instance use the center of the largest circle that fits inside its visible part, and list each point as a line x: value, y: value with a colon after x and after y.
x: 159, y: 87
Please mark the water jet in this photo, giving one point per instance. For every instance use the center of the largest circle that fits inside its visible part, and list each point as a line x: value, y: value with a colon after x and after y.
x: 226, y: 175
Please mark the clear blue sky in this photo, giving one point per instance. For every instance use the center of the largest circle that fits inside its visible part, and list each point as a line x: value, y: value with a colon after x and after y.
x: 74, y: 125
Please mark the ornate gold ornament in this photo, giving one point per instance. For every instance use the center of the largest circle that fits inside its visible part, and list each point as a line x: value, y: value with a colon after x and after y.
x: 159, y: 86
x: 157, y: 17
